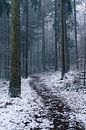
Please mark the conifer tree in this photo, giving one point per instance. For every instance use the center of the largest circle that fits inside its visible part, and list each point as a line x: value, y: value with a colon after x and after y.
x: 15, y: 72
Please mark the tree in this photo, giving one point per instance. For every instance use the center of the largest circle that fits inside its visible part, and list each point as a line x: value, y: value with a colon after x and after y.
x: 15, y: 72
x: 62, y: 39
x: 56, y: 31
x: 85, y: 46
x: 26, y: 46
x: 43, y: 43
x: 76, y: 47
x: 64, y: 49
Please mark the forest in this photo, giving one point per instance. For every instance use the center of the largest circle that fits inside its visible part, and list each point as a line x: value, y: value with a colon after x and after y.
x: 42, y: 64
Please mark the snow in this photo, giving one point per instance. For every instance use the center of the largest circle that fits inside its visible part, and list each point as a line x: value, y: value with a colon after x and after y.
x: 70, y: 90
x: 20, y: 113
x: 25, y: 112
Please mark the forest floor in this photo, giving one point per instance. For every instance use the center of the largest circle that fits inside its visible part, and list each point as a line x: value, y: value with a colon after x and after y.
x: 46, y: 103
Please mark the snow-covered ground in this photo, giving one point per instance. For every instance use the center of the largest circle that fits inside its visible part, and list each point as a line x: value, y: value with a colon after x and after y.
x: 21, y: 113
x: 25, y: 112
x: 70, y: 90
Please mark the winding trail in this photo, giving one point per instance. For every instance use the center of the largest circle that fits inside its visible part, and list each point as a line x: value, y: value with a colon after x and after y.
x: 58, y: 111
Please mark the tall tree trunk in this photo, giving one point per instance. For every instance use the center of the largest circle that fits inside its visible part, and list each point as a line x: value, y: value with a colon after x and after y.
x: 62, y: 38
x: 31, y: 61
x: 67, y: 64
x: 26, y: 49
x: 85, y: 46
x: 38, y: 54
x: 23, y: 40
x: 77, y: 66
x: 56, y: 39
x: 15, y: 77
x: 43, y: 44
x: 69, y: 43
x: 8, y: 59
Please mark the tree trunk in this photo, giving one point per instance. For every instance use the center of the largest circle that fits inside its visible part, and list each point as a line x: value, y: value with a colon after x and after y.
x: 67, y: 63
x: 38, y: 54
x: 26, y: 46
x: 56, y: 39
x: 15, y: 76
x: 43, y: 44
x: 85, y: 47
x: 62, y: 38
x: 77, y: 66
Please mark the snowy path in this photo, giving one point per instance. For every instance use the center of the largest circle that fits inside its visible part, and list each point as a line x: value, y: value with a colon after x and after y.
x: 45, y: 104
x: 25, y: 113
x: 58, y: 111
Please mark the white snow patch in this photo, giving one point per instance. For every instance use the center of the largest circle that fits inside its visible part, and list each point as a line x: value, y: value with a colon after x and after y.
x: 70, y: 90
x: 16, y: 112
x: 19, y: 113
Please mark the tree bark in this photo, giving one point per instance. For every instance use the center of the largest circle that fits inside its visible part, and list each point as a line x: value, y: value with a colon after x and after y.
x: 43, y: 44
x: 26, y: 46
x: 62, y: 38
x: 15, y: 76
x: 56, y: 39
x: 67, y: 63
x: 77, y: 66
